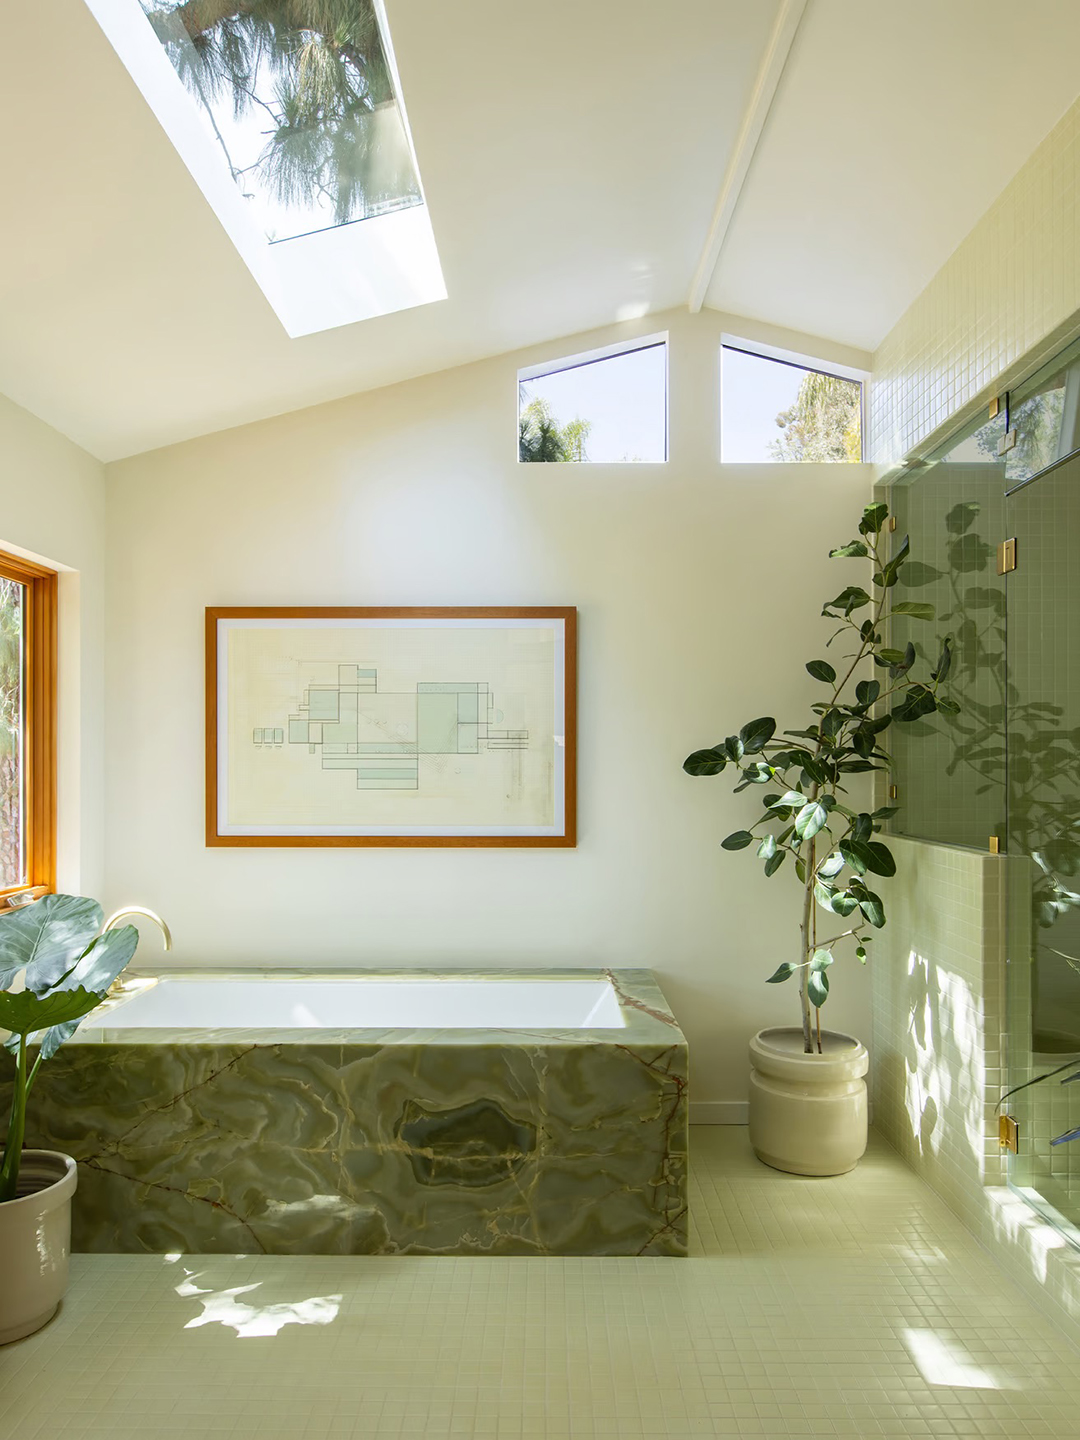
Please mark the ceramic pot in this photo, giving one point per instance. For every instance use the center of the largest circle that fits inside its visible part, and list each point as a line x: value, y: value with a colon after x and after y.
x: 35, y: 1239
x: 808, y: 1112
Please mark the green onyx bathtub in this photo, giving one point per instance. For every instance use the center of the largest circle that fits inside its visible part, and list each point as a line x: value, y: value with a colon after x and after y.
x: 457, y: 1113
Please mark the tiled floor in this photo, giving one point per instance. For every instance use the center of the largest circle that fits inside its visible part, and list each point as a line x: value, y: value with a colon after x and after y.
x: 849, y: 1307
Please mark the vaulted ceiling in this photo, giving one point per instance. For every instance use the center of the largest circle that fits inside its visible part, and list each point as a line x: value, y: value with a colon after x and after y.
x: 572, y: 156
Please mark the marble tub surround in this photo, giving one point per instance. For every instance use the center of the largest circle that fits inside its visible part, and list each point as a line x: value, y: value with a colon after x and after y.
x: 402, y: 1141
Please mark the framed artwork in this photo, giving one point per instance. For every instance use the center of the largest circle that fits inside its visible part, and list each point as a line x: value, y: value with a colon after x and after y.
x: 391, y: 726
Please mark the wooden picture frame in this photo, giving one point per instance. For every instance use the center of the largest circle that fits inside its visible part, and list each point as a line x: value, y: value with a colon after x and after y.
x: 366, y: 691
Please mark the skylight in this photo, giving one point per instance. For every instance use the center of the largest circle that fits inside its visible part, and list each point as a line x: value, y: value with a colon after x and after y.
x: 305, y: 114
x: 288, y: 114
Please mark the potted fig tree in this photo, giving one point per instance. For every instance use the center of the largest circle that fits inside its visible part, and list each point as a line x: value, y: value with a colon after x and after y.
x: 56, y: 965
x: 808, y: 1107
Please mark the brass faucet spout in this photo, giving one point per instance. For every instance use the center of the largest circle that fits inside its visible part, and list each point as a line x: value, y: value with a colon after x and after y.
x: 117, y: 986
x: 139, y: 910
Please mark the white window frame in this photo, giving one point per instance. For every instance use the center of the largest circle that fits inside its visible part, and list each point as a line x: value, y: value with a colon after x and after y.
x: 590, y: 357
x: 800, y: 361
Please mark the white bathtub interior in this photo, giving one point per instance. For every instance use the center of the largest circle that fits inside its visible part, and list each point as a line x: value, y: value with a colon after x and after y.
x: 361, y: 1004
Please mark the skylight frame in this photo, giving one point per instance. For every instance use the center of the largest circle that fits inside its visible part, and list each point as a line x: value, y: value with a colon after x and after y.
x: 315, y: 281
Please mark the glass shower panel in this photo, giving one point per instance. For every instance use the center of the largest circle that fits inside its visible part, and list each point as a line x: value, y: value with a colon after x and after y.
x: 1043, y: 836
x: 950, y: 770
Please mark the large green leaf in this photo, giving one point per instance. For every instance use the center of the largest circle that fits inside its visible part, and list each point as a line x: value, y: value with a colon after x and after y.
x: 905, y: 663
x: 789, y: 799
x: 810, y: 819
x: 832, y: 722
x: 852, y: 597
x: 817, y: 987
x: 944, y: 664
x: 782, y: 972
x: 24, y: 1013
x: 757, y: 734
x: 738, y: 840
x: 918, y: 701
x: 867, y: 691
x: 887, y: 575
x: 55, y: 1036
x: 855, y: 549
x: 821, y: 670
x: 705, y: 762
x: 103, y: 960
x: 831, y: 865
x: 773, y: 863
x: 882, y: 861
x: 46, y: 938
x: 873, y: 518
x: 821, y: 960
x: 915, y: 608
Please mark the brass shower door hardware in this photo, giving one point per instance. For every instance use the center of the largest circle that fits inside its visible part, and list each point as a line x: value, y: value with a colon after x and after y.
x: 1007, y: 556
x: 1009, y: 1133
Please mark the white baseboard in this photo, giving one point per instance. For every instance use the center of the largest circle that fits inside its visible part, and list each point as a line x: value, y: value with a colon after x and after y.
x: 719, y: 1112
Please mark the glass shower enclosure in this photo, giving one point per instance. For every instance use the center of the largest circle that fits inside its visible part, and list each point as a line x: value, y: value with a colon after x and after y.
x: 1004, y: 774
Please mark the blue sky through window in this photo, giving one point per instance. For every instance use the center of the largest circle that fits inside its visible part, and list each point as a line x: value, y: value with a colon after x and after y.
x: 754, y: 390
x: 623, y: 397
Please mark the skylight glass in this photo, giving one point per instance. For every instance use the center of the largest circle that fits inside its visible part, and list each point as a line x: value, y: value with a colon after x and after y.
x: 299, y: 97
x: 289, y: 116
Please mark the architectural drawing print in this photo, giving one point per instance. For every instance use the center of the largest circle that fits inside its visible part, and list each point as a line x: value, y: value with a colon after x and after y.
x: 380, y: 736
x: 377, y: 726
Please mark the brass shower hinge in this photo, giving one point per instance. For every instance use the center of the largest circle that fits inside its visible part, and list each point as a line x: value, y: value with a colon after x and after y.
x: 1007, y: 556
x: 994, y: 845
x: 1009, y: 1133
x: 995, y: 406
x: 1008, y: 441
x: 892, y: 522
x: 892, y: 792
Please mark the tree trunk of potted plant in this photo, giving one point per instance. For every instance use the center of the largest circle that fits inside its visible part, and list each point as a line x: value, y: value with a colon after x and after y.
x: 807, y: 1092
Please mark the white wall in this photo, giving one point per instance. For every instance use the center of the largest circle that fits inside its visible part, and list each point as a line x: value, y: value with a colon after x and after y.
x: 699, y: 588
x: 52, y: 508
x: 1003, y: 303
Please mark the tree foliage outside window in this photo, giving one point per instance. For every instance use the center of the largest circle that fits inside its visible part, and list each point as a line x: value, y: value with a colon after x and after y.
x: 824, y: 424
x: 311, y: 81
x: 541, y: 438
x: 11, y: 733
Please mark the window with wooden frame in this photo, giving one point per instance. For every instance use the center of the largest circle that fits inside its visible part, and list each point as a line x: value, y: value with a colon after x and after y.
x: 28, y: 608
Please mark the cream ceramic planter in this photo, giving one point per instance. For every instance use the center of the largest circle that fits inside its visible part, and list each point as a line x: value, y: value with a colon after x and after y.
x: 808, y: 1112
x: 35, y: 1238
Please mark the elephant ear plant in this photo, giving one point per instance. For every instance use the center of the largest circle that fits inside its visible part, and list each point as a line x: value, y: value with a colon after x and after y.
x: 66, y: 967
x: 832, y: 845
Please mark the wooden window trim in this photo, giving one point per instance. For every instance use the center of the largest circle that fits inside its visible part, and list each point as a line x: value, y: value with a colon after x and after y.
x: 39, y: 705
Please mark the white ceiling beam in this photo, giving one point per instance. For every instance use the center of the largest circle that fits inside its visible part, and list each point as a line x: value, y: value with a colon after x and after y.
x: 781, y: 39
